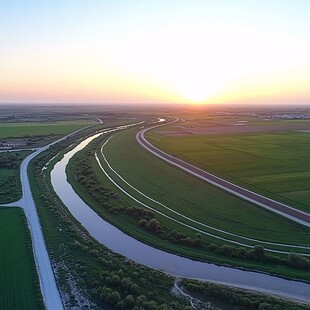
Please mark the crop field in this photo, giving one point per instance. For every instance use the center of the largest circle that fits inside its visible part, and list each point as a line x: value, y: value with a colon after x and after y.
x: 10, y: 185
x: 275, y: 164
x: 41, y: 128
x: 19, y: 285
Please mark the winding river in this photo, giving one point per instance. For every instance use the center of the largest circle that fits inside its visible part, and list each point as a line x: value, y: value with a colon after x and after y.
x: 154, y: 258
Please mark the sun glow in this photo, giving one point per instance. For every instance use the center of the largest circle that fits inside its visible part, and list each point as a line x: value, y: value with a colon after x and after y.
x: 193, y: 55
x: 197, y: 89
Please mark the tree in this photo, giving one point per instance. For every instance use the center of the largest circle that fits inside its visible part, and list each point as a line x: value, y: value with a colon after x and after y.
x: 126, y: 283
x: 143, y: 222
x: 115, y: 280
x: 113, y: 298
x: 198, y: 243
x: 259, y: 251
x: 153, y: 225
x: 129, y: 301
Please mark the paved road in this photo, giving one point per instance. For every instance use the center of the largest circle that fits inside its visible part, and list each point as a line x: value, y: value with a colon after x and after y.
x: 272, y: 205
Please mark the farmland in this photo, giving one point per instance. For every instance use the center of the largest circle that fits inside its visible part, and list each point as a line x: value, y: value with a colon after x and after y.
x: 19, y: 285
x: 275, y: 164
x: 32, y: 129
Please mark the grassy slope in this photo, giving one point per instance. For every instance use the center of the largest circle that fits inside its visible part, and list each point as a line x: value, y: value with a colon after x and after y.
x: 275, y: 164
x: 19, y: 285
x: 195, y: 198
x: 40, y: 129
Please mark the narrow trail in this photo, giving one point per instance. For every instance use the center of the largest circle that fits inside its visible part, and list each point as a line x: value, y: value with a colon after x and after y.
x: 194, y: 302
x: 262, y: 201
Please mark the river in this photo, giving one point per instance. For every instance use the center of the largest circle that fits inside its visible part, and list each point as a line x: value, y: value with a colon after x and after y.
x: 154, y: 258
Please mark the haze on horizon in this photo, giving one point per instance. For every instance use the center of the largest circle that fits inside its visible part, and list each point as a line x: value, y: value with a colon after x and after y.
x: 176, y: 51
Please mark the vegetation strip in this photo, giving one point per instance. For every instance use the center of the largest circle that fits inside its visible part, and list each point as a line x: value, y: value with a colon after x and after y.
x: 188, y: 218
x: 233, y: 298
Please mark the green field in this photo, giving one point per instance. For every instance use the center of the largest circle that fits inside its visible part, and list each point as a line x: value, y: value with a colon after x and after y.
x: 274, y: 164
x: 10, y: 185
x: 19, y: 285
x: 41, y: 128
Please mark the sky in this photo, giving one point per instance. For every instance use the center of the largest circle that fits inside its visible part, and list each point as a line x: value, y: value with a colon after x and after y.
x: 163, y: 51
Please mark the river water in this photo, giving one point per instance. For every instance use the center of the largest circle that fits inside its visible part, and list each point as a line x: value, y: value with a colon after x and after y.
x: 173, y: 264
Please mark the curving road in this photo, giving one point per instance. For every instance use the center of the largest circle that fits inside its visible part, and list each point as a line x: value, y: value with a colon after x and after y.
x: 267, y: 203
x: 49, y: 289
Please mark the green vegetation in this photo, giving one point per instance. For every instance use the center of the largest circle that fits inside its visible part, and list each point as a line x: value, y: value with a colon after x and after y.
x: 33, y: 129
x: 92, y: 185
x: 19, y: 284
x: 237, y: 299
x: 10, y: 185
x: 274, y: 164
x: 98, y: 275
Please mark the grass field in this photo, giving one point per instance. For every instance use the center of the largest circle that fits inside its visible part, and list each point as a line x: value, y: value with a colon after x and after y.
x: 275, y: 164
x: 40, y: 128
x: 19, y: 285
x: 10, y: 185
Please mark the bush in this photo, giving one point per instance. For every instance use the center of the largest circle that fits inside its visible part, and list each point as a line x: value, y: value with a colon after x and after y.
x: 153, y: 225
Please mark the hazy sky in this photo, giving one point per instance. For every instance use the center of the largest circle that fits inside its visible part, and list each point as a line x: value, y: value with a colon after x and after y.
x: 210, y: 51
